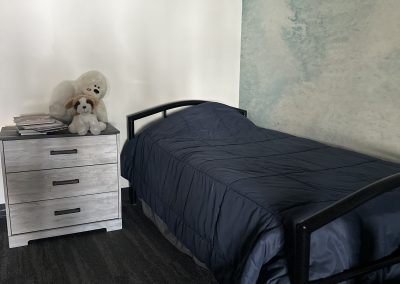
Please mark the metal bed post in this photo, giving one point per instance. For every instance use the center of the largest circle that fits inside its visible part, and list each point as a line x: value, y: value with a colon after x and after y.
x: 131, y: 133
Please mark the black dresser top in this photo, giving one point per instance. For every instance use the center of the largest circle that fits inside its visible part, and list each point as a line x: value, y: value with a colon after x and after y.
x: 10, y: 133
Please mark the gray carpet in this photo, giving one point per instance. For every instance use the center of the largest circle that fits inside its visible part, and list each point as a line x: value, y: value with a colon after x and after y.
x: 136, y: 254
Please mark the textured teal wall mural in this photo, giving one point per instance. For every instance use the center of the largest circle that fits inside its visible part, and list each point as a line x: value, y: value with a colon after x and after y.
x: 327, y: 70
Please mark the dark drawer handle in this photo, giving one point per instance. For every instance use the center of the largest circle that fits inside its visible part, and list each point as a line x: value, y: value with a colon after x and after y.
x: 64, y: 182
x: 64, y: 152
x: 68, y: 211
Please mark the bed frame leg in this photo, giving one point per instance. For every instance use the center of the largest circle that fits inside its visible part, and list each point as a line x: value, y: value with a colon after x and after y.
x: 132, y: 195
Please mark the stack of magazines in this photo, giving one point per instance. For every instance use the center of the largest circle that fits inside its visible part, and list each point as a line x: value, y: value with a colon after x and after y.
x: 38, y: 124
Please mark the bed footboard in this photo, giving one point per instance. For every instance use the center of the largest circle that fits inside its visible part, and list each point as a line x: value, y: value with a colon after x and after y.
x: 327, y: 215
x: 151, y: 111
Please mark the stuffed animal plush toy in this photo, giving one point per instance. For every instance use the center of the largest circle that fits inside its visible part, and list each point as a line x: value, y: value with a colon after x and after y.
x: 84, y: 119
x: 90, y: 83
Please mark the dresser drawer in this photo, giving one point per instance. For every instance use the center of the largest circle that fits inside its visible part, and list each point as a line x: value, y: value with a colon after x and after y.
x: 50, y: 214
x: 58, y: 183
x: 49, y: 153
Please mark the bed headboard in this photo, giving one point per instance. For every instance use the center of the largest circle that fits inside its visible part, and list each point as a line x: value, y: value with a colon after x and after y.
x: 162, y: 108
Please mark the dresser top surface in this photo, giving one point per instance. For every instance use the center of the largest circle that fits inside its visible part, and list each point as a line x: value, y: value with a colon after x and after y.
x: 10, y: 133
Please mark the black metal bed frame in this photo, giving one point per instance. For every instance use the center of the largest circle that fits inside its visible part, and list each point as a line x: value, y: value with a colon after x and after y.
x: 305, y: 228
x: 329, y: 214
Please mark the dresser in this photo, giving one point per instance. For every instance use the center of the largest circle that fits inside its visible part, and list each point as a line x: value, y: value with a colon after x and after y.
x: 59, y: 184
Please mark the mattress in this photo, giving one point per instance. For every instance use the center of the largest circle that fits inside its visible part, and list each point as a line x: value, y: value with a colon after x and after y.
x: 231, y: 192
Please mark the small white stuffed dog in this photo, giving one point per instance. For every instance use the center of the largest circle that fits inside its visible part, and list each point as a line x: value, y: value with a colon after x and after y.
x: 84, y: 119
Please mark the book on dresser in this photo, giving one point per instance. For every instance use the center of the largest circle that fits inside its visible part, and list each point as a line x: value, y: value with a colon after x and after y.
x: 38, y: 124
x: 60, y: 183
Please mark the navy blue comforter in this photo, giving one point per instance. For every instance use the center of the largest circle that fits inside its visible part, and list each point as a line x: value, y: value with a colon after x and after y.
x: 231, y: 192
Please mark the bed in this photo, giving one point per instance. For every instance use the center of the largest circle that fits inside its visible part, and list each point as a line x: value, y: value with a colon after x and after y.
x: 260, y: 206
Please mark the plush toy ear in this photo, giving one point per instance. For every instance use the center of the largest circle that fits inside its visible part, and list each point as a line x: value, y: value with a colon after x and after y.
x: 92, y: 100
x: 89, y: 101
x: 77, y: 104
x: 70, y: 103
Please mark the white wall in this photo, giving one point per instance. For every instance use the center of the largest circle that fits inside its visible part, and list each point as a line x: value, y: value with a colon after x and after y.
x: 152, y: 52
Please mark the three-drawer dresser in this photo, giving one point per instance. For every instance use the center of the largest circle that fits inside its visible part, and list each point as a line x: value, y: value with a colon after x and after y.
x: 60, y: 183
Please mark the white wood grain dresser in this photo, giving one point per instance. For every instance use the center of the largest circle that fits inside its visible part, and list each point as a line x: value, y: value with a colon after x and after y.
x: 60, y: 184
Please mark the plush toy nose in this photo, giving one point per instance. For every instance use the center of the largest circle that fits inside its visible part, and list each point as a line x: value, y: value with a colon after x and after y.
x: 84, y: 107
x: 96, y: 91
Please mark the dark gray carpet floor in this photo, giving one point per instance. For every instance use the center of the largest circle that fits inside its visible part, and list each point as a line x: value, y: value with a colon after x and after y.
x: 136, y: 254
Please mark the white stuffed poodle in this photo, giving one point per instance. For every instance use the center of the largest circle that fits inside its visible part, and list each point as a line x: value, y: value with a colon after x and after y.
x: 84, y: 119
x: 90, y: 83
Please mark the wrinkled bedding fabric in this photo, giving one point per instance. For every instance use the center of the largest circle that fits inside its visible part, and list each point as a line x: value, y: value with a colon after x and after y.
x: 231, y: 192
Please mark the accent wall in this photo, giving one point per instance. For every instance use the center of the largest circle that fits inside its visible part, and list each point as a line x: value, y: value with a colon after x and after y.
x: 326, y: 70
